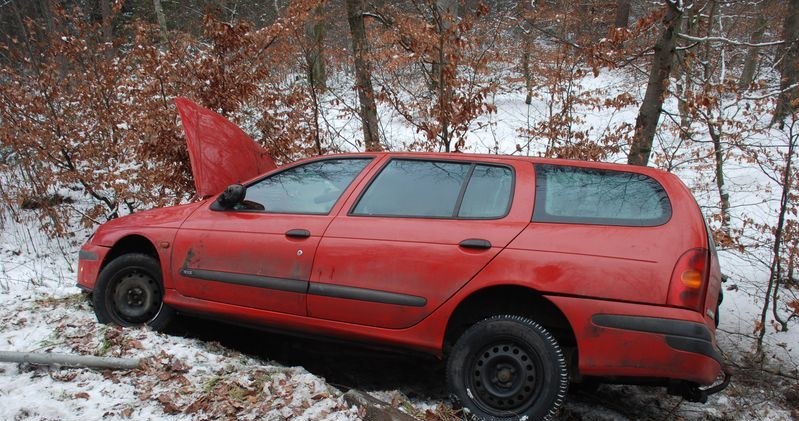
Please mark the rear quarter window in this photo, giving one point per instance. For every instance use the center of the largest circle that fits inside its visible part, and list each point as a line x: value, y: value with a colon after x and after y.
x: 578, y: 195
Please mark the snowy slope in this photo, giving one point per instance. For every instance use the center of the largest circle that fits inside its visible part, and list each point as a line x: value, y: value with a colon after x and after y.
x: 188, y: 378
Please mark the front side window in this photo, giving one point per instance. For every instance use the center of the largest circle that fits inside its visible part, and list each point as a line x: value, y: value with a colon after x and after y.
x: 308, y: 188
x: 438, y: 189
x: 593, y: 196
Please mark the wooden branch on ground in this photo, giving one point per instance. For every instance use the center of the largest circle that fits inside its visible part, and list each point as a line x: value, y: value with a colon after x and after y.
x: 69, y: 360
x: 375, y: 409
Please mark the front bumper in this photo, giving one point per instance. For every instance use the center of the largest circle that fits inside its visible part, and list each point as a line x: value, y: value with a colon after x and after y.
x: 90, y: 261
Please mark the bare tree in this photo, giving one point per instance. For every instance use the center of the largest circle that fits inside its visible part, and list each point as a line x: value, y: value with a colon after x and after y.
x: 363, y: 75
x: 649, y: 113
x: 712, y: 114
x: 787, y: 175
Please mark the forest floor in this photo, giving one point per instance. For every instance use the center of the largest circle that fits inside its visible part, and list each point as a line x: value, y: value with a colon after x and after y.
x: 206, y: 370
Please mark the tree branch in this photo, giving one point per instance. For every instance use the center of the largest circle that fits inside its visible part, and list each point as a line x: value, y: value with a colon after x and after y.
x: 729, y: 41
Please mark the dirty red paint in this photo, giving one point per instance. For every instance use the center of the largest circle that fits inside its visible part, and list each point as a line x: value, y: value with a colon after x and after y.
x: 404, y: 278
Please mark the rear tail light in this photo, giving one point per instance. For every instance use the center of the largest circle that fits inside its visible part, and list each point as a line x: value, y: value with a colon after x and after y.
x: 689, y: 280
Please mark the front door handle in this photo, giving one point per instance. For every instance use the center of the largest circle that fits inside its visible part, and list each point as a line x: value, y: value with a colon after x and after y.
x: 475, y: 243
x: 298, y: 233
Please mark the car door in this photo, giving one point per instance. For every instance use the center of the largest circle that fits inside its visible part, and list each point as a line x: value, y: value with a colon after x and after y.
x: 259, y: 254
x: 417, y: 233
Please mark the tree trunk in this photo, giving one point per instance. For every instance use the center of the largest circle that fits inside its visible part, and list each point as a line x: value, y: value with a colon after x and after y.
x: 649, y: 113
x: 714, y: 125
x: 363, y: 75
x: 47, y: 14
x: 682, y: 72
x: 751, y: 60
x: 525, y: 9
x: 108, y: 29
x: 315, y: 31
x: 528, y: 74
x: 724, y: 195
x: 789, y: 65
x: 792, y: 255
x: 622, y: 14
x: 159, y: 14
x: 447, y: 12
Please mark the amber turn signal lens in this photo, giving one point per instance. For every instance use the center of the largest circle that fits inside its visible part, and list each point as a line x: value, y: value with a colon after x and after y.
x: 691, y: 279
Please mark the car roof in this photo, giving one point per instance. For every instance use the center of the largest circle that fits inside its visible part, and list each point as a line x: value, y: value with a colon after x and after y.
x: 497, y: 158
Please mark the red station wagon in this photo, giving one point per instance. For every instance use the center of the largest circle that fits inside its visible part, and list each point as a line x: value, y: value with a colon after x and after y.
x: 525, y: 273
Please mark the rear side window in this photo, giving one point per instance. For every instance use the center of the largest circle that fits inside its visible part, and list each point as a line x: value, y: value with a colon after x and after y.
x: 438, y: 189
x: 488, y: 193
x: 591, y: 196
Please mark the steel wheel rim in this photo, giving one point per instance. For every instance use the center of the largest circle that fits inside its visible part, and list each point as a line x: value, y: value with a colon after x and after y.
x: 137, y: 297
x: 505, y: 377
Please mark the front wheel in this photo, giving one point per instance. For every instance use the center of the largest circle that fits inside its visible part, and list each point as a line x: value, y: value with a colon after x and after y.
x: 506, y: 368
x: 130, y: 292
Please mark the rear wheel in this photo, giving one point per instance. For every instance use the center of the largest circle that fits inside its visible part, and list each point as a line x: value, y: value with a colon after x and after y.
x: 130, y: 292
x: 506, y: 368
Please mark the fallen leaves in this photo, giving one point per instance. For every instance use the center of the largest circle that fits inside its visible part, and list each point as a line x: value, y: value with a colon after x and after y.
x: 794, y: 306
x: 167, y: 402
x: 178, y: 377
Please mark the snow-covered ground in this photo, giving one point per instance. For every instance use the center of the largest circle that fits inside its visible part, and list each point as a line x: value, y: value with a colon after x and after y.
x: 246, y: 374
x: 182, y: 378
x: 201, y: 370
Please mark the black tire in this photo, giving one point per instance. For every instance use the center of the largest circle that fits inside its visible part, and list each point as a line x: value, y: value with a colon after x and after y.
x: 130, y: 291
x: 507, y: 368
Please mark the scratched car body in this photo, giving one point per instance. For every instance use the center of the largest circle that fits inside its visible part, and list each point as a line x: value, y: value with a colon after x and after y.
x: 526, y: 274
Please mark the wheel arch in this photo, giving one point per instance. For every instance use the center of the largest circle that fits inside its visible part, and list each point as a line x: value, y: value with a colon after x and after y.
x: 513, y: 300
x: 131, y: 243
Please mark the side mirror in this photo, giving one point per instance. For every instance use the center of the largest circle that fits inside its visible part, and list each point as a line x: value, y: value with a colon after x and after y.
x: 232, y: 196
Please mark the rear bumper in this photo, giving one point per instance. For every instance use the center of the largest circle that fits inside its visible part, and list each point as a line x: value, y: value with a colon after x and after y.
x: 90, y: 260
x: 680, y: 335
x: 646, y: 343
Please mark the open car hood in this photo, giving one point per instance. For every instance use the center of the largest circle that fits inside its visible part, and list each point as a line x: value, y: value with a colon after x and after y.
x: 220, y: 152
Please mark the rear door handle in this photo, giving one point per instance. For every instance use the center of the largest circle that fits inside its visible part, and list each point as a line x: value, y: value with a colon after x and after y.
x: 475, y: 243
x: 298, y: 233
